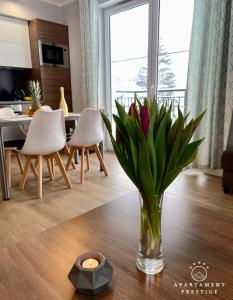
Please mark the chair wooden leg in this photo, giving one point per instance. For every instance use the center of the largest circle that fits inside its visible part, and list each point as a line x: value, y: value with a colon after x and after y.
x: 67, y: 152
x: 34, y: 168
x: 19, y: 161
x: 8, y: 162
x: 82, y: 164
x: 70, y: 157
x: 62, y: 169
x: 52, y: 166
x: 97, y: 151
x: 39, y: 178
x: 48, y: 161
x: 87, y: 156
x: 25, y: 172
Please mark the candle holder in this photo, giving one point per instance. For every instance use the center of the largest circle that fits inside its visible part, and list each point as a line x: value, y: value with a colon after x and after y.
x: 90, y: 280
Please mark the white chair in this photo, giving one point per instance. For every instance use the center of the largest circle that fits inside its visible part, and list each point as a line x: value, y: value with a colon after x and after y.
x: 46, y: 136
x: 11, y: 135
x: 65, y: 149
x: 87, y: 135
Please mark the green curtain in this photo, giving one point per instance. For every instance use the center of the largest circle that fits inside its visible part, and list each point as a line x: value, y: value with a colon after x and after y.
x: 210, y: 76
x: 89, y: 31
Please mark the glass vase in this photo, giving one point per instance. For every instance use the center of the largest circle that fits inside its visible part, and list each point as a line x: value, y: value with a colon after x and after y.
x: 150, y: 255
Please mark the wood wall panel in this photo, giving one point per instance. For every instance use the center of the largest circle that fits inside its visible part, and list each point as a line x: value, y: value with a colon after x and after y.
x: 51, y: 78
x: 52, y: 32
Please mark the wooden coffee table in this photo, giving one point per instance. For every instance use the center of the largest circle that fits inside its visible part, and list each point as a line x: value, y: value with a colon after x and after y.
x: 192, y: 233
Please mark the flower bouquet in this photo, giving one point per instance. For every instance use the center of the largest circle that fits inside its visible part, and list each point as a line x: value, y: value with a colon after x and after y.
x: 152, y: 149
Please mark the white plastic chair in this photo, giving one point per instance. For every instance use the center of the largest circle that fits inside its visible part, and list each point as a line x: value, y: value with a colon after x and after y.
x: 87, y: 135
x: 46, y: 136
x: 66, y: 148
x: 11, y: 134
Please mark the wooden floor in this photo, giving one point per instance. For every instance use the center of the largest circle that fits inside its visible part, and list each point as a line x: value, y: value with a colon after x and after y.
x: 24, y: 215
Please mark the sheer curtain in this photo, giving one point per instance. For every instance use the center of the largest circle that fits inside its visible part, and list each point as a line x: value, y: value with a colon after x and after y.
x: 89, y: 30
x: 210, y: 76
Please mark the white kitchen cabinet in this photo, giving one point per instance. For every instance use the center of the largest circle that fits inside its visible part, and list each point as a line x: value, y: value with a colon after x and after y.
x: 14, y: 43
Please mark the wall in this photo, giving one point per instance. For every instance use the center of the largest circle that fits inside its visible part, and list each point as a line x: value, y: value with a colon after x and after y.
x: 71, y: 18
x: 31, y: 9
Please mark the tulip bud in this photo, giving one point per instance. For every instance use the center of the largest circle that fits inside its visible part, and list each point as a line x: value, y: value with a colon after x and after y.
x: 144, y: 119
x: 133, y: 112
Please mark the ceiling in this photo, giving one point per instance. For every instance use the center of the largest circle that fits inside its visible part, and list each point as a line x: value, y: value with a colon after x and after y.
x: 59, y: 3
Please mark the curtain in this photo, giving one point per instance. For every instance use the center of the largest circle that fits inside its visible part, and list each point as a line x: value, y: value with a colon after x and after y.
x: 210, y: 76
x: 89, y: 31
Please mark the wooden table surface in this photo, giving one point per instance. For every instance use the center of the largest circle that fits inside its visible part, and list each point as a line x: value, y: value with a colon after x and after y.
x: 192, y: 233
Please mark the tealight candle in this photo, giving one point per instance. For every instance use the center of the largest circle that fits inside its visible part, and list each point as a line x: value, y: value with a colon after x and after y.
x: 90, y: 263
x: 90, y: 273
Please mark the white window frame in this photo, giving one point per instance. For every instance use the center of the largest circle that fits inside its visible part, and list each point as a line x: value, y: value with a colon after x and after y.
x: 153, y: 46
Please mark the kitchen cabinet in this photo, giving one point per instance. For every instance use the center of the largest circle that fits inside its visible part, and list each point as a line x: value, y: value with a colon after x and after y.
x: 14, y: 43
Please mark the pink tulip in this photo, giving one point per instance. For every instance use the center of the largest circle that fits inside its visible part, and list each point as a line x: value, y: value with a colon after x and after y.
x: 144, y: 119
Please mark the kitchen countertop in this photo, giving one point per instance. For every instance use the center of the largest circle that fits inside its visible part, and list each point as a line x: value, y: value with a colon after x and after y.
x: 3, y: 103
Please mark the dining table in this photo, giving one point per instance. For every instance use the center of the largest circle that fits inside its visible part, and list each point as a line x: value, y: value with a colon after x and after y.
x: 194, y: 233
x: 22, y: 120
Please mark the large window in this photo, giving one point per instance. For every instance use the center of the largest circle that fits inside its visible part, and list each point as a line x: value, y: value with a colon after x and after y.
x: 174, y: 40
x: 129, y: 53
x: 147, y: 51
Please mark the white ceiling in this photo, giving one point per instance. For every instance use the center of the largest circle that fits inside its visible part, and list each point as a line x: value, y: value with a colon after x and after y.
x: 59, y: 3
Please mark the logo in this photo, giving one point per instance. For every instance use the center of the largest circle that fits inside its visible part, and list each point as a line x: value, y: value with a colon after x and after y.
x: 198, y: 284
x: 199, y: 271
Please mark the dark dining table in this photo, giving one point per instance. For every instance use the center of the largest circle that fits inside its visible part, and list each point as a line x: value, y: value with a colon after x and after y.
x: 20, y: 120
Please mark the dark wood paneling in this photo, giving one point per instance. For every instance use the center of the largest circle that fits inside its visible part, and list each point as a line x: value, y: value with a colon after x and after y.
x: 52, y: 32
x: 33, y: 35
x: 51, y: 78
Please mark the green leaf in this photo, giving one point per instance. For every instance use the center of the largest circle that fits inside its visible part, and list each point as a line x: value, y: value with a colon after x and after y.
x: 174, y: 145
x: 132, y: 127
x: 170, y: 109
x: 153, y: 106
x: 168, y: 179
x: 172, y: 135
x: 134, y: 154
x: 139, y: 103
x: 151, y: 148
x: 197, y: 121
x: 129, y: 145
x: 122, y: 158
x: 144, y: 168
x: 189, y: 153
x: 146, y: 102
x: 187, y: 133
x: 160, y: 147
x: 186, y: 117
x: 121, y: 112
x: 107, y: 123
x: 122, y: 128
